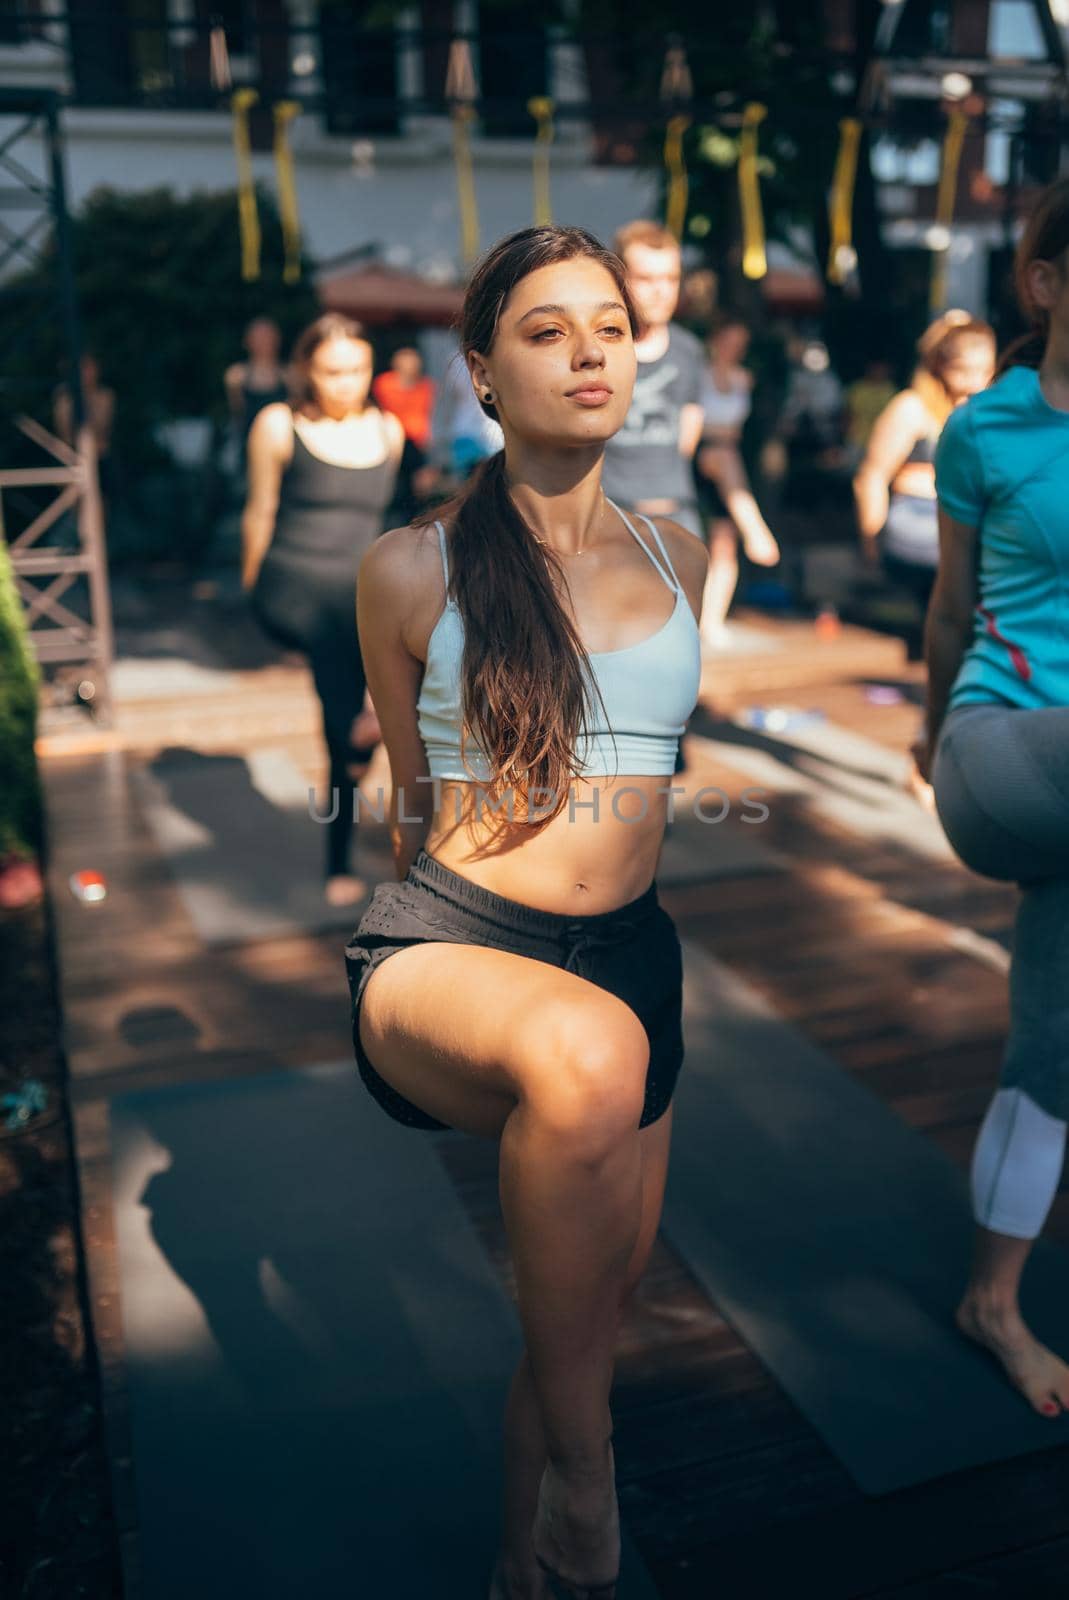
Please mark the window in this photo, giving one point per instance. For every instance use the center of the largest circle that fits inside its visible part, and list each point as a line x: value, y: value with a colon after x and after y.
x: 1014, y: 33
x: 121, y: 56
x: 896, y: 162
x: 359, y: 65
x: 513, y: 66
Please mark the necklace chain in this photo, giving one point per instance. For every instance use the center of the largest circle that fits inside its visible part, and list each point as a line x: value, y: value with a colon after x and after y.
x: 582, y: 547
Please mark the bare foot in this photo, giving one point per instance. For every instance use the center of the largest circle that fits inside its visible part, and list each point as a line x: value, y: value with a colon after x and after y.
x: 509, y: 1582
x: 577, y: 1532
x: 761, y: 548
x: 715, y: 636
x: 365, y: 730
x: 344, y: 890
x: 1037, y: 1372
x: 920, y: 788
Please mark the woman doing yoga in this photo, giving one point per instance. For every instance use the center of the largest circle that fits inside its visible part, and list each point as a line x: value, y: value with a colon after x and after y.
x: 724, y: 492
x: 998, y: 722
x: 534, y: 657
x: 894, y: 487
x: 321, y: 474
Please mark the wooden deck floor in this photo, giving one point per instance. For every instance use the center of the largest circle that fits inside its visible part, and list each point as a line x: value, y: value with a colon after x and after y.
x: 726, y: 1489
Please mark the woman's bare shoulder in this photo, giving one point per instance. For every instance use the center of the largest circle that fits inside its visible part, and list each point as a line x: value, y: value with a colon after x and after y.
x: 274, y: 424
x: 909, y: 409
x: 689, y: 555
x: 405, y: 566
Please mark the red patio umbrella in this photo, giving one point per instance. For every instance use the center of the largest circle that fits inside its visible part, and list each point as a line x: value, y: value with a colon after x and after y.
x: 377, y: 294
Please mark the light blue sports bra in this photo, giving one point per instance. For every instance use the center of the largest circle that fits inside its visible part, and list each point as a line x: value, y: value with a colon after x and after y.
x: 648, y: 689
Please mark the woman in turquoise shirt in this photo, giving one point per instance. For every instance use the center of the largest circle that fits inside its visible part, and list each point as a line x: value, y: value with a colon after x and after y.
x: 998, y: 728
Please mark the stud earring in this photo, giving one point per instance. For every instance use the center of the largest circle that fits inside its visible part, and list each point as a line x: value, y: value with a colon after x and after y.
x: 487, y: 397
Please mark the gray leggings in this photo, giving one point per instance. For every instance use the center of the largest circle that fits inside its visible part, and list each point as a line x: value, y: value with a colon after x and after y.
x: 1001, y: 779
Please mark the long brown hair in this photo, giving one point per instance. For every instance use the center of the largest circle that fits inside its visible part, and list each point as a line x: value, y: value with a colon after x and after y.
x: 331, y: 325
x: 524, y: 684
x: 937, y: 346
x: 1045, y: 238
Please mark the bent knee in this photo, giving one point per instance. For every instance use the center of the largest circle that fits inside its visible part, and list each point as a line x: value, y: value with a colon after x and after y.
x: 590, y: 1080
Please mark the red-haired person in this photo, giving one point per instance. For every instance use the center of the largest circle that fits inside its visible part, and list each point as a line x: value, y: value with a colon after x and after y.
x: 649, y: 462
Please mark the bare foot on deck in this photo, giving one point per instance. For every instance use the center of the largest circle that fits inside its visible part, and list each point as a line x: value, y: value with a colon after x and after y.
x: 920, y: 788
x: 577, y: 1534
x: 344, y: 890
x: 715, y: 636
x: 1037, y: 1372
x: 365, y: 731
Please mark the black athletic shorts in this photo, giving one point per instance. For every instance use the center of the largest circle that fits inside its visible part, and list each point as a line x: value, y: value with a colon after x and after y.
x: 632, y: 952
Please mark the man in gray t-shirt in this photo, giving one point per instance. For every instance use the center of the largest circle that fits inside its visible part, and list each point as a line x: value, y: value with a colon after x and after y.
x: 648, y: 463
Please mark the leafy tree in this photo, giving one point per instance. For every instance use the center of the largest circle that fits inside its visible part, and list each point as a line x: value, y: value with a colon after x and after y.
x: 162, y: 303
x: 777, y: 55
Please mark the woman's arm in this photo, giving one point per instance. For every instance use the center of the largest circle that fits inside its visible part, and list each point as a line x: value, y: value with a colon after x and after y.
x: 949, y: 626
x: 269, y: 448
x: 691, y: 422
x: 393, y: 430
x: 897, y: 430
x: 233, y: 383
x: 395, y: 436
x: 386, y: 603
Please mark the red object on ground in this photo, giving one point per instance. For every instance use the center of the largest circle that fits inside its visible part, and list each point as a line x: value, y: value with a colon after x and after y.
x: 89, y: 887
x: 412, y: 404
x: 826, y: 624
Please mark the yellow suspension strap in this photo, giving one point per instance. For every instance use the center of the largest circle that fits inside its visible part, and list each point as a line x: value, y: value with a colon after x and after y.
x: 957, y: 123
x: 841, y: 254
x: 754, y: 261
x: 677, y: 89
x: 241, y: 103
x: 284, y: 112
x: 460, y: 91
x: 541, y: 108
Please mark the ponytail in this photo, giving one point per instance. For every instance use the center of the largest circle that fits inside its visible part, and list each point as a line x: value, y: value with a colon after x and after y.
x: 526, y: 684
x: 1027, y: 351
x: 524, y: 690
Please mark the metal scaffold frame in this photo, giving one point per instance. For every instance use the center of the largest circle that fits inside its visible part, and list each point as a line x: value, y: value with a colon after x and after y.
x: 43, y: 573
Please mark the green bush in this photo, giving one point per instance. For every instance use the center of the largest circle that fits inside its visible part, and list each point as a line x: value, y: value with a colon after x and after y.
x: 20, y: 795
x: 163, y: 307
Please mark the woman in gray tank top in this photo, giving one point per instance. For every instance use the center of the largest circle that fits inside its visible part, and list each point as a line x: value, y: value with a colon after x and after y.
x: 321, y: 475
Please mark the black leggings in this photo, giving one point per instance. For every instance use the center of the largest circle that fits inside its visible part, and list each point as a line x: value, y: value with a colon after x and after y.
x: 319, y: 618
x: 1001, y: 779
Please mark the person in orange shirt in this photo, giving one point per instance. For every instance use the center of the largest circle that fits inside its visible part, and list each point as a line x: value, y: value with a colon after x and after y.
x: 409, y: 394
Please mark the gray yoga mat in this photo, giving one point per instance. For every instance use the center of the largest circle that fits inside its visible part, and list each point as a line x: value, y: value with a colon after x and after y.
x: 850, y: 780
x: 836, y: 1240
x: 699, y: 852
x: 239, y: 836
x: 317, y: 1348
